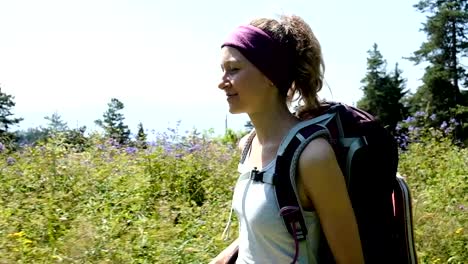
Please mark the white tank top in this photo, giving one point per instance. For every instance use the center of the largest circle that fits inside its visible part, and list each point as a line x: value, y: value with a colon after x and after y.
x: 263, y: 237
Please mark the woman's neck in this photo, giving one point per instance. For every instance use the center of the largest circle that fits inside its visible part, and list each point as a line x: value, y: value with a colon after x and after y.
x: 272, y: 126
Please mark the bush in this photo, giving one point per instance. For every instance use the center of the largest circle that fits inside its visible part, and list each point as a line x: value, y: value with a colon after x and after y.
x: 437, y: 173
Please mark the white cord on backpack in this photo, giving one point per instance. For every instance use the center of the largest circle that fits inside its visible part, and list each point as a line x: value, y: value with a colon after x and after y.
x: 245, y: 152
x: 226, y: 234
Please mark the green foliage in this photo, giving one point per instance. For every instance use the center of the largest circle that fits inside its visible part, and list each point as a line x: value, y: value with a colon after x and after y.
x: 446, y: 45
x: 31, y: 135
x: 437, y: 174
x: 113, y: 122
x: 110, y: 204
x: 437, y: 94
x: 74, y: 138
x: 169, y: 203
x: 232, y: 137
x: 446, y: 28
x: 383, y: 92
x: 6, y: 118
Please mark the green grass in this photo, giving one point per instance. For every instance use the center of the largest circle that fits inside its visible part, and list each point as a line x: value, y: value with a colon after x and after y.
x: 437, y: 172
x: 169, y: 203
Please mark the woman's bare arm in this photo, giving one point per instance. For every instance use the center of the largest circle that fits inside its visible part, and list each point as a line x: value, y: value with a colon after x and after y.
x: 324, y: 186
x: 224, y: 256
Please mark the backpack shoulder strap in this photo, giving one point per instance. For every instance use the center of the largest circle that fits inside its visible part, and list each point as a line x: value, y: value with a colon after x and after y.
x: 286, y: 169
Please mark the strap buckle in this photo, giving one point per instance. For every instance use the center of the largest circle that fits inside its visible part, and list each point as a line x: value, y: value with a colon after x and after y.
x: 256, y: 175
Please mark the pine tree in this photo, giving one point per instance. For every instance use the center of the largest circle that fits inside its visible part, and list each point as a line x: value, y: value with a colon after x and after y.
x: 446, y: 45
x: 383, y: 92
x: 113, y: 122
x: 56, y: 123
x: 6, y: 118
x: 373, y: 81
x: 141, y: 137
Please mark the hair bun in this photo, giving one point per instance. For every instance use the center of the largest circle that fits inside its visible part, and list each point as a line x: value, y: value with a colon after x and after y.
x: 309, y: 68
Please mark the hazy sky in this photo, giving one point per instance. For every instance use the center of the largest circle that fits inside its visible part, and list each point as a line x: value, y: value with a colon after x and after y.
x: 161, y: 58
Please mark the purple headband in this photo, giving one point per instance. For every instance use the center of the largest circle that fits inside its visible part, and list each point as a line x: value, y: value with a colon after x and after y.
x: 268, y: 55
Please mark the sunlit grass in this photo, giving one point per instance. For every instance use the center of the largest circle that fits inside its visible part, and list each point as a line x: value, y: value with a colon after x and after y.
x: 169, y: 203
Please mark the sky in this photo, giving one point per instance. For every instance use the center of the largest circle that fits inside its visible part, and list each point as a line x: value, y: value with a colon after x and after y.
x: 162, y: 58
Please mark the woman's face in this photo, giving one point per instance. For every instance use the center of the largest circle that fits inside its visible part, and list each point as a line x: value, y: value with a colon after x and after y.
x: 247, y: 89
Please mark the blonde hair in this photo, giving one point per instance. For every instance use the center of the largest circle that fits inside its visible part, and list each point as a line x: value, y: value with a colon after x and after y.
x: 294, y: 33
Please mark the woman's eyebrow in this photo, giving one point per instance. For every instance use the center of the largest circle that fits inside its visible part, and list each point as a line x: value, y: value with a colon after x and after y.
x: 228, y: 63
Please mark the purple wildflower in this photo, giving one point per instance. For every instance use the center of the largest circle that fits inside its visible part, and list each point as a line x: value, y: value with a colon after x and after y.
x: 453, y: 121
x: 131, y: 150
x: 402, y: 140
x: 398, y: 127
x: 2, y: 147
x: 410, y: 119
x: 113, y: 142
x: 178, y: 156
x: 444, y: 125
x: 10, y: 160
x: 420, y: 113
x: 168, y: 149
x: 194, y: 148
x: 101, y: 147
x: 411, y: 128
x: 433, y: 117
x: 403, y: 143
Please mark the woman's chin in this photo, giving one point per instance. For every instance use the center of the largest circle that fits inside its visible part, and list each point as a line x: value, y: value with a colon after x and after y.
x: 234, y: 111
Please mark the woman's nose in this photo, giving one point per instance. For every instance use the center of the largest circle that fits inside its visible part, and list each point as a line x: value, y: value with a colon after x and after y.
x: 223, y: 83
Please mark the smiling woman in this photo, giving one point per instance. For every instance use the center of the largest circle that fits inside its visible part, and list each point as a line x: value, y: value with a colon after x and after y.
x: 265, y: 65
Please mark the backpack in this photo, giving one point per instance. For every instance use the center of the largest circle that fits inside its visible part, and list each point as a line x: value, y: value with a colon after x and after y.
x: 368, y: 157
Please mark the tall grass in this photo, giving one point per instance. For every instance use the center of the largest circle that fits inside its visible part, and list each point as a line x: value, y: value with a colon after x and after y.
x: 169, y: 203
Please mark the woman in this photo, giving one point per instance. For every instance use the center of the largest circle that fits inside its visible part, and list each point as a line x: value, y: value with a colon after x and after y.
x: 265, y: 64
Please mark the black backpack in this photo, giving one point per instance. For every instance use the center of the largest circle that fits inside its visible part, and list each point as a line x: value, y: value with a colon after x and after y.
x: 368, y: 157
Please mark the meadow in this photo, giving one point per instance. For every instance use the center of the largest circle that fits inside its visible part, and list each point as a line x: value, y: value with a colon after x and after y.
x: 169, y: 202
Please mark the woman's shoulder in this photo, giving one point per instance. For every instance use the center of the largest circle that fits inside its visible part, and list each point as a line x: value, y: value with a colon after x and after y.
x: 318, y: 151
x: 318, y: 164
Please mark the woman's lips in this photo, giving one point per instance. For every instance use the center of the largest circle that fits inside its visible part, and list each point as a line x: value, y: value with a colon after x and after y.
x: 231, y: 96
